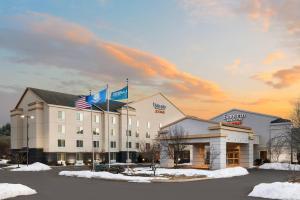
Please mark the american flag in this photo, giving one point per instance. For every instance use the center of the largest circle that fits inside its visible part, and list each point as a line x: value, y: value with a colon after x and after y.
x: 81, y: 103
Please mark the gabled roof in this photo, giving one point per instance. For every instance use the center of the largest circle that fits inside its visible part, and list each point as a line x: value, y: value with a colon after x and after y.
x: 159, y: 93
x: 240, y: 110
x: 281, y: 120
x: 68, y: 100
x: 189, y: 117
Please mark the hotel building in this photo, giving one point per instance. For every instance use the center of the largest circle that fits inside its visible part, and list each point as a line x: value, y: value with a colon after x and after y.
x: 61, y: 133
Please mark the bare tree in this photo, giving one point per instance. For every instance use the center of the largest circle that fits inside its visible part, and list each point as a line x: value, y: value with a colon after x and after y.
x: 151, y: 153
x: 213, y: 155
x: 175, y: 138
x: 277, y: 145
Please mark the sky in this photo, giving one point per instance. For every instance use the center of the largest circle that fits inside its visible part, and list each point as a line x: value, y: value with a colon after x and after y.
x: 206, y: 56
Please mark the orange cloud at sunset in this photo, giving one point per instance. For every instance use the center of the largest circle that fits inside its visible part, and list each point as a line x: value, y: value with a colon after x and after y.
x: 272, y: 57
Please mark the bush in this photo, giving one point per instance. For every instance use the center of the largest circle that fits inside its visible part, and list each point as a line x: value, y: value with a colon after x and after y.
x: 115, y: 169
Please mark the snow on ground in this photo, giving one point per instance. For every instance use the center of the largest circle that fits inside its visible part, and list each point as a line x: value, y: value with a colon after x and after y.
x: 32, y: 167
x: 280, y: 166
x: 3, y: 162
x: 108, y: 176
x: 13, y: 190
x: 277, y: 190
x: 123, y: 164
x: 221, y: 173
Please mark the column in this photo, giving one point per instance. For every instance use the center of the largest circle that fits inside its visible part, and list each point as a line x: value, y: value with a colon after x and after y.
x: 198, y: 155
x: 218, y: 153
x: 246, y: 155
x: 165, y: 158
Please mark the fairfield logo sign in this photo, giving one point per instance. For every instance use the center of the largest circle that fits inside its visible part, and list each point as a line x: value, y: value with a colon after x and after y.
x: 235, y: 119
x: 159, y: 108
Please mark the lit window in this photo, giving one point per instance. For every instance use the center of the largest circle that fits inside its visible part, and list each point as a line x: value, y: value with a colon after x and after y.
x: 160, y: 125
x: 79, y: 143
x: 137, y: 134
x: 137, y: 123
x: 129, y: 121
x: 96, y: 131
x: 79, y: 116
x: 79, y: 130
x: 113, y: 120
x: 96, y: 119
x: 61, y: 128
x: 61, y: 115
x: 148, y: 125
x: 61, y: 143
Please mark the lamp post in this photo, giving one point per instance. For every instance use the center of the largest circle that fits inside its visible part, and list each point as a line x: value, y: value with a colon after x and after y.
x: 27, y: 137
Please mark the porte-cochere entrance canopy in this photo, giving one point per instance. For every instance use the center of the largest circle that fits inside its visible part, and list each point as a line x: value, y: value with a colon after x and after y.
x: 215, y: 145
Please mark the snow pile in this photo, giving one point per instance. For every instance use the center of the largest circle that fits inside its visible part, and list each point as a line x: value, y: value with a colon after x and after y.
x: 221, y: 173
x: 280, y: 166
x: 108, y: 176
x: 13, y: 190
x: 3, y: 162
x: 123, y: 164
x: 33, y: 167
x: 277, y: 190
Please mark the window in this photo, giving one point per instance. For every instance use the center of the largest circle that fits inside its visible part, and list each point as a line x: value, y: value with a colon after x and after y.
x: 113, y: 144
x: 112, y: 132
x: 160, y: 125
x: 137, y: 145
x: 129, y: 133
x: 147, y: 146
x: 147, y: 134
x: 61, y: 128
x: 61, y: 143
x: 79, y: 130
x: 79, y: 143
x: 113, y: 156
x: 137, y: 123
x: 128, y: 144
x: 61, y: 115
x: 113, y: 120
x: 79, y: 116
x: 137, y: 134
x: 148, y: 125
x: 96, y: 119
x: 129, y: 121
x: 96, y: 131
x: 96, y: 144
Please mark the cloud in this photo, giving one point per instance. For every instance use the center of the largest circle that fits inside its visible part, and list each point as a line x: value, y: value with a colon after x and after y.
x: 281, y: 78
x: 39, y: 39
x: 272, y: 57
x: 234, y: 67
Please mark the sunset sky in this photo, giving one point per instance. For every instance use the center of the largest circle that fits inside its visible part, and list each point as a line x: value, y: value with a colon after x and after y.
x: 207, y: 56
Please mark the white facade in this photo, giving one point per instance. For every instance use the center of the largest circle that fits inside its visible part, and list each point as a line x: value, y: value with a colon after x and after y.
x: 264, y: 127
x: 59, y: 130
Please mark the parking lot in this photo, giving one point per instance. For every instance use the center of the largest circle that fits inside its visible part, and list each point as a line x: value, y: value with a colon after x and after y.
x: 50, y: 185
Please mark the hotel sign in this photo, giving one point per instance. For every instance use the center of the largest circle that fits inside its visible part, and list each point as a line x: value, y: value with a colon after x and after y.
x: 159, y: 108
x: 235, y: 119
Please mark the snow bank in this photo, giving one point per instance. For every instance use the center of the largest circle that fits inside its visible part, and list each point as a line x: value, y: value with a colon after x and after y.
x: 277, y: 190
x: 33, y: 167
x: 13, y: 190
x: 280, y: 166
x: 123, y: 164
x: 221, y: 173
x: 108, y: 176
x: 3, y: 161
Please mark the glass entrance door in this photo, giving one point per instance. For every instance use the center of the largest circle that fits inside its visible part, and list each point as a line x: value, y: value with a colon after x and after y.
x: 233, y: 155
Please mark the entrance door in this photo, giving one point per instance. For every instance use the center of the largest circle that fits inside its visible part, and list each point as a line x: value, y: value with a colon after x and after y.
x: 233, y: 155
x: 263, y: 155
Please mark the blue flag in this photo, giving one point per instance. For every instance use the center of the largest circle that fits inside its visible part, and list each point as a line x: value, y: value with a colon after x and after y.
x: 120, y: 94
x: 97, y: 98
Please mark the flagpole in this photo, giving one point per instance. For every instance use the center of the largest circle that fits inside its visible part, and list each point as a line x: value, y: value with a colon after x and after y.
x: 108, y: 137
x: 127, y: 133
x: 93, y: 149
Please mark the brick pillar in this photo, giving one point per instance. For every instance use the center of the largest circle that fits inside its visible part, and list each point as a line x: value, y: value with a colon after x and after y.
x: 218, y: 153
x: 198, y: 155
